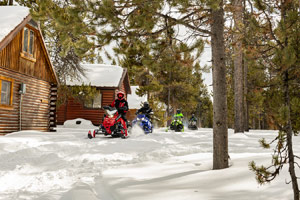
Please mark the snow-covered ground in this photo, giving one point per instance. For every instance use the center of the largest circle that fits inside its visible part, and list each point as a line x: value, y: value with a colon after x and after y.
x: 65, y: 165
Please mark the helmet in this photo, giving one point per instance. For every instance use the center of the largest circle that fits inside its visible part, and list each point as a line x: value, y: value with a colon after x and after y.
x: 178, y: 111
x: 120, y: 95
x: 146, y: 104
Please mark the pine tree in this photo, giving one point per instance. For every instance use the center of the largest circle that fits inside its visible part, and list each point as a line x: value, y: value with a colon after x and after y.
x: 204, y: 110
x: 82, y: 94
x: 278, y: 43
x: 257, y: 97
x: 134, y: 55
x: 238, y: 67
x: 220, y: 153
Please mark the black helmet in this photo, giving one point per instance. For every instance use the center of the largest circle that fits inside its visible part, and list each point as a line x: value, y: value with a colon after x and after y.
x: 178, y: 111
x: 146, y: 104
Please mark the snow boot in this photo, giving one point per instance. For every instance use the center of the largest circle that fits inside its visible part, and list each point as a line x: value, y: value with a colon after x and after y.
x: 90, y: 135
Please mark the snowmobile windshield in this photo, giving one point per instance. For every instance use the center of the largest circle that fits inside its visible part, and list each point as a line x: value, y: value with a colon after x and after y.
x: 177, y: 117
x: 141, y: 117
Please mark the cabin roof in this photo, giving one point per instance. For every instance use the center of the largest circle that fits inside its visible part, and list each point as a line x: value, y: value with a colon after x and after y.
x: 134, y: 100
x: 11, y: 17
x: 101, y: 75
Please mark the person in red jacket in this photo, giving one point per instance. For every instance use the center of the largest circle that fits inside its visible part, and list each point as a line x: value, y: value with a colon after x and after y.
x: 121, y: 104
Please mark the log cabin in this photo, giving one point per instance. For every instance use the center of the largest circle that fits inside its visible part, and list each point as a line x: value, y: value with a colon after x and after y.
x: 28, y: 81
x: 108, y: 80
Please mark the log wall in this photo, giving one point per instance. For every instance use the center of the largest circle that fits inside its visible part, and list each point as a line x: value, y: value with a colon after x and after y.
x: 35, y: 104
x: 73, y: 109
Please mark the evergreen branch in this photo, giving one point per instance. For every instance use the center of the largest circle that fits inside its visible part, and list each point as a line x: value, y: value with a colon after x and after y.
x: 186, y: 24
x: 271, y: 30
x: 251, y: 6
x: 188, y: 15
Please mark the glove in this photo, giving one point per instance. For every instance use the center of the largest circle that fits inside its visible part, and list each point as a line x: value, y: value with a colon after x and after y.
x: 123, y: 108
x: 106, y: 107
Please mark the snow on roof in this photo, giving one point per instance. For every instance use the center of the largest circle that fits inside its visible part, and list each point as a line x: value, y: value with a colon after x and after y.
x: 100, y: 75
x: 135, y: 101
x: 10, y: 18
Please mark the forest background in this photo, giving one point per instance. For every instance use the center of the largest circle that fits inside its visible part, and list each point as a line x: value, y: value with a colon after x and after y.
x: 255, y: 60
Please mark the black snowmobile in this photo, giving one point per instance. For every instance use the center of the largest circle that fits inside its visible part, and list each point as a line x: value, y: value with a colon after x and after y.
x: 192, y: 124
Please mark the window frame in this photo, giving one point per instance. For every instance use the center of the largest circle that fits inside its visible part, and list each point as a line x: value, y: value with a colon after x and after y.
x: 27, y: 54
x: 10, y: 105
x: 95, y: 108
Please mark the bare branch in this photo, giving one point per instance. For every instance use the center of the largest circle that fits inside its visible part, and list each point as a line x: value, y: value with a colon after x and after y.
x: 288, y: 182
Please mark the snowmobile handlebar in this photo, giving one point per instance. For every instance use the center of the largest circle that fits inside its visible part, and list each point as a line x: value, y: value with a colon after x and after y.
x: 109, y: 108
x: 123, y: 108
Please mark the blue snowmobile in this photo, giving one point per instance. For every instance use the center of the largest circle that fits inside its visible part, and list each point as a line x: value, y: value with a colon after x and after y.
x: 144, y: 122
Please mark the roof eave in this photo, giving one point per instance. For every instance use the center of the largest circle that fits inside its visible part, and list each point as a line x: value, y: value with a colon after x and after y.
x: 14, y: 32
x: 97, y: 86
x: 48, y: 57
x: 125, y: 76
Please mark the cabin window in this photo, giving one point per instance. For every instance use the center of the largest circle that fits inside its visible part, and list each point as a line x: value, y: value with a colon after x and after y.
x: 95, y: 102
x: 28, y: 42
x: 6, y: 85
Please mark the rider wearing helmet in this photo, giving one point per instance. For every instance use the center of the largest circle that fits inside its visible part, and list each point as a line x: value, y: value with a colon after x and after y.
x: 178, y: 114
x: 176, y: 124
x: 146, y: 110
x: 193, y: 118
x: 121, y: 104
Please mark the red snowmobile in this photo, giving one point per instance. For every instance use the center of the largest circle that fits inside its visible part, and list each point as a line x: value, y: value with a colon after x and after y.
x: 113, y: 124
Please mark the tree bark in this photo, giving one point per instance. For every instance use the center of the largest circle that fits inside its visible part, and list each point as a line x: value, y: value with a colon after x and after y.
x: 220, y: 132
x: 238, y: 67
x: 11, y: 2
x: 168, y: 106
x: 246, y: 103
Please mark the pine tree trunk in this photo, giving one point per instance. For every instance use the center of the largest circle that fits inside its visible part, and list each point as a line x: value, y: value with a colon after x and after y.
x: 289, y: 133
x: 11, y: 2
x: 220, y: 133
x: 246, y: 103
x: 284, y: 7
x: 168, y: 106
x: 238, y: 68
x: 263, y: 118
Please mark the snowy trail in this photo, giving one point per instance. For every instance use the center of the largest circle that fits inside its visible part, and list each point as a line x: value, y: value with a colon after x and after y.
x: 164, y: 165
